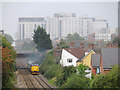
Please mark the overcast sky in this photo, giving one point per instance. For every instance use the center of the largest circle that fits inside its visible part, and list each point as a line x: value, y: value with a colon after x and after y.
x: 11, y: 11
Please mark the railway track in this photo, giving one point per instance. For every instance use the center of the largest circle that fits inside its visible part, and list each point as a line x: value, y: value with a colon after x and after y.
x: 41, y: 81
x: 33, y: 81
x: 27, y: 80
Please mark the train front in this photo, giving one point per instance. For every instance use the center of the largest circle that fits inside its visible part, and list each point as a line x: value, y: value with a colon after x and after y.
x: 34, y: 69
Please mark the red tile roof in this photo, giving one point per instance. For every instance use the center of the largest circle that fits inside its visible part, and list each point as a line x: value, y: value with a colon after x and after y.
x: 77, y: 52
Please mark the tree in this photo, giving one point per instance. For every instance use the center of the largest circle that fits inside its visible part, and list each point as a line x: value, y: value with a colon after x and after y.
x: 76, y: 81
x: 62, y: 44
x: 49, y: 68
x: 116, y: 40
x: 42, y: 39
x: 81, y: 69
x: 73, y: 37
x: 66, y: 73
x: 9, y: 38
x: 8, y: 63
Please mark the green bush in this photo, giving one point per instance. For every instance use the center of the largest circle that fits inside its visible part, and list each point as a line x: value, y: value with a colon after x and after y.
x: 76, y: 81
x: 49, y: 61
x: 49, y: 68
x: 52, y: 71
x: 81, y: 69
x: 63, y: 76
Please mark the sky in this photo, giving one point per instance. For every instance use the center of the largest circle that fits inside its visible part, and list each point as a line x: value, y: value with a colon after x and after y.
x: 11, y: 11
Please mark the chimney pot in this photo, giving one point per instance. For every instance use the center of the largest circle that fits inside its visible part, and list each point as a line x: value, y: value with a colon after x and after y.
x: 82, y: 45
x: 72, y: 44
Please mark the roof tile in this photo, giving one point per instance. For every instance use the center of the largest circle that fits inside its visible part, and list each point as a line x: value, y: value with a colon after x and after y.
x: 77, y: 52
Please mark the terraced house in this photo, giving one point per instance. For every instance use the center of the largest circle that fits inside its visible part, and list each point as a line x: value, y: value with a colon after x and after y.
x: 103, y: 62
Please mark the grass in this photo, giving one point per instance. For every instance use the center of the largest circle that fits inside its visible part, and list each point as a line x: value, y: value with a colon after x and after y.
x: 52, y: 81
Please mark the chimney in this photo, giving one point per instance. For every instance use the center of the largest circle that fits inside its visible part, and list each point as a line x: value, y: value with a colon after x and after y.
x: 91, y: 45
x: 109, y: 45
x: 82, y: 45
x: 72, y: 44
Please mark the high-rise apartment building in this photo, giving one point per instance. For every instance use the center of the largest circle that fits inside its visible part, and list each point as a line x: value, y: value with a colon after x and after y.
x: 64, y: 15
x: 99, y: 24
x: 27, y: 25
x: 52, y: 26
x: 85, y: 26
x: 60, y: 25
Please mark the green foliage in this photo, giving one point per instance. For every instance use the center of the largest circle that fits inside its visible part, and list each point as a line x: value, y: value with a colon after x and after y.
x: 8, y: 64
x: 76, y: 81
x: 93, y: 76
x: 68, y: 70
x: 49, y: 68
x: 60, y: 79
x: 9, y: 38
x: 65, y: 74
x: 73, y: 37
x: 63, y: 44
x: 50, y: 52
x: 42, y: 39
x: 52, y: 81
x: 109, y: 80
x: 116, y: 40
x: 81, y: 69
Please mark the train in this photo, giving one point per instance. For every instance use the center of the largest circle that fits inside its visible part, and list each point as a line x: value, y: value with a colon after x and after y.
x: 33, y: 68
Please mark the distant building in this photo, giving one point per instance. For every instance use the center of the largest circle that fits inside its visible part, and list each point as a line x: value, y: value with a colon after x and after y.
x: 104, y: 37
x: 53, y: 28
x: 57, y: 15
x: 113, y: 31
x: 98, y: 25
x: 100, y: 36
x: 85, y: 26
x: 91, y: 37
x: 60, y: 25
x: 27, y: 25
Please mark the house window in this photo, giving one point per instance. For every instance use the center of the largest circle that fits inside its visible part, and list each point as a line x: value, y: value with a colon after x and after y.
x: 69, y: 60
x: 97, y: 70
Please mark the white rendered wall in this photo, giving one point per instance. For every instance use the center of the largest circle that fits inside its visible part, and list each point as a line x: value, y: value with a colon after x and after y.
x: 66, y: 55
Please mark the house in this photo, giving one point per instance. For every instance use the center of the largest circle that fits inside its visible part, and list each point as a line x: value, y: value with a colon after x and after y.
x: 103, y: 62
x: 71, y: 55
x: 86, y: 60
